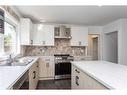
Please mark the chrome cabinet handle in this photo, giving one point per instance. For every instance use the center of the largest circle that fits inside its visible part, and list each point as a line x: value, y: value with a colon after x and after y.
x: 80, y: 43
x: 43, y: 42
x: 77, y: 71
x: 31, y: 42
x: 76, y: 80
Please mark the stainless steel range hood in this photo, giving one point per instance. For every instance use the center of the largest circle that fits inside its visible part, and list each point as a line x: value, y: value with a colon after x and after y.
x: 62, y: 32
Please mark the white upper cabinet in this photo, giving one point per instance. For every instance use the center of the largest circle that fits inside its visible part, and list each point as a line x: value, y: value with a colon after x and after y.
x: 43, y: 35
x: 26, y: 31
x: 79, y: 36
x: 49, y: 35
x: 37, y: 38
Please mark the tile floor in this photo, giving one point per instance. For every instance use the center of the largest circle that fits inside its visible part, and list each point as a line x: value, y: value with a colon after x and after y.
x: 54, y: 84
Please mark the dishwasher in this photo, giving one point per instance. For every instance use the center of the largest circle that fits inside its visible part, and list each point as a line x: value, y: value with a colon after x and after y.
x: 23, y: 82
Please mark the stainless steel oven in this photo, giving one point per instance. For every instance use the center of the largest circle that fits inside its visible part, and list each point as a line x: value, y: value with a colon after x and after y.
x: 62, y: 66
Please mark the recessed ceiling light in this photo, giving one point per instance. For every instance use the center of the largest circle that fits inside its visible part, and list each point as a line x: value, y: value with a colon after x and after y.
x: 40, y: 26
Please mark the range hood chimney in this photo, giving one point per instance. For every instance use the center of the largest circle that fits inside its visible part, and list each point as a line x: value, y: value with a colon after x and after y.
x: 62, y: 30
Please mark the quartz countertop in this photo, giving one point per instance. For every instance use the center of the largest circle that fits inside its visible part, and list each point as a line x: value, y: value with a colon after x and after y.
x: 111, y: 75
x: 9, y: 75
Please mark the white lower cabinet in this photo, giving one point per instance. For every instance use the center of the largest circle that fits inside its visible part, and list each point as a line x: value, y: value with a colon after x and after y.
x: 46, y: 67
x: 77, y: 79
x: 80, y: 80
x: 33, y: 76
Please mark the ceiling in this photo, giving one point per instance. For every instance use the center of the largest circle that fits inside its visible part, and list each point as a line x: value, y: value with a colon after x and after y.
x: 81, y: 15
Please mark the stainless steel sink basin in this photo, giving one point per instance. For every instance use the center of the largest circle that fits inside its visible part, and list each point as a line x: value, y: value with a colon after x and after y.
x: 20, y: 62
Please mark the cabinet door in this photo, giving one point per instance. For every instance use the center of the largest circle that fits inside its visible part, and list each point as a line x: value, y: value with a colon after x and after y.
x: 49, y: 35
x: 75, y: 36
x: 83, y: 36
x: 42, y: 68
x: 38, y: 37
x: 32, y: 77
x: 37, y: 74
x: 79, y: 36
x: 73, y: 78
x: 31, y: 33
x: 46, y: 68
x: 49, y: 67
x: 97, y: 85
x: 43, y: 35
x: 88, y: 82
x: 25, y: 26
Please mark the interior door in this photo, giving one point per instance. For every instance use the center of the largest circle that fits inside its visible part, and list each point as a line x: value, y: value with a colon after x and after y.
x: 111, y: 46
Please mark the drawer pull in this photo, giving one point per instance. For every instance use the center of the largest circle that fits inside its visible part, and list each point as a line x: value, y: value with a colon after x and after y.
x: 34, y: 72
x: 76, y: 80
x: 77, y: 71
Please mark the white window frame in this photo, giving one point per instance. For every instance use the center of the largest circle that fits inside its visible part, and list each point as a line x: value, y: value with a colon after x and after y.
x: 11, y: 20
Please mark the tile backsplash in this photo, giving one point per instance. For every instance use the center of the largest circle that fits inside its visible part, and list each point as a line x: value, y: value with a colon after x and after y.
x: 62, y: 46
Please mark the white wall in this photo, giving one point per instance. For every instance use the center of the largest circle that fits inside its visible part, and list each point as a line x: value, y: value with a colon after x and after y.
x: 120, y: 26
x: 123, y: 42
x: 111, y: 47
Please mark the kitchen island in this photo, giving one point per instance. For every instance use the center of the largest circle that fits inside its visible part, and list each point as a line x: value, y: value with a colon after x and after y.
x: 98, y: 75
x: 9, y: 75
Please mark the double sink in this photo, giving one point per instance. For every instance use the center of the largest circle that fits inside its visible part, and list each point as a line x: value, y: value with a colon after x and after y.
x: 19, y: 62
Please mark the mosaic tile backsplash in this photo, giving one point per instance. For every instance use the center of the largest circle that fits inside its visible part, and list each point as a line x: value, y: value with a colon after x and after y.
x: 62, y: 46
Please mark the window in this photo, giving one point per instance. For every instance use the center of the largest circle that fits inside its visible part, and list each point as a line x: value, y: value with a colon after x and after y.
x: 9, y: 39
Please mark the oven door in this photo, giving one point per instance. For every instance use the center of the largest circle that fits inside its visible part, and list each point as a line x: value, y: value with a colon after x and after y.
x: 62, y: 70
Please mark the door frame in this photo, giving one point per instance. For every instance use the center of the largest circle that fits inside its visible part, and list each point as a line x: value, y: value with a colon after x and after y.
x: 99, y: 50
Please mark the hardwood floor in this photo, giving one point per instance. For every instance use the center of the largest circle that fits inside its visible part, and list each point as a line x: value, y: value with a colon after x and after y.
x: 54, y: 84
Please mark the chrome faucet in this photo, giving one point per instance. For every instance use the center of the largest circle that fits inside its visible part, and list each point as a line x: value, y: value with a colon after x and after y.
x: 10, y: 59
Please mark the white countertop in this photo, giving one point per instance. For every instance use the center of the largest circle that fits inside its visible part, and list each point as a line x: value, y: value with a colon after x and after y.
x: 9, y: 75
x: 111, y: 75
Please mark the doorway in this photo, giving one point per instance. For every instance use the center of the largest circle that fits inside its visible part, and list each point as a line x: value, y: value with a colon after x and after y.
x: 93, y: 46
x: 111, y: 46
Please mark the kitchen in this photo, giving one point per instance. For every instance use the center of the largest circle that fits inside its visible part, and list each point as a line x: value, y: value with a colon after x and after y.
x: 41, y: 48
